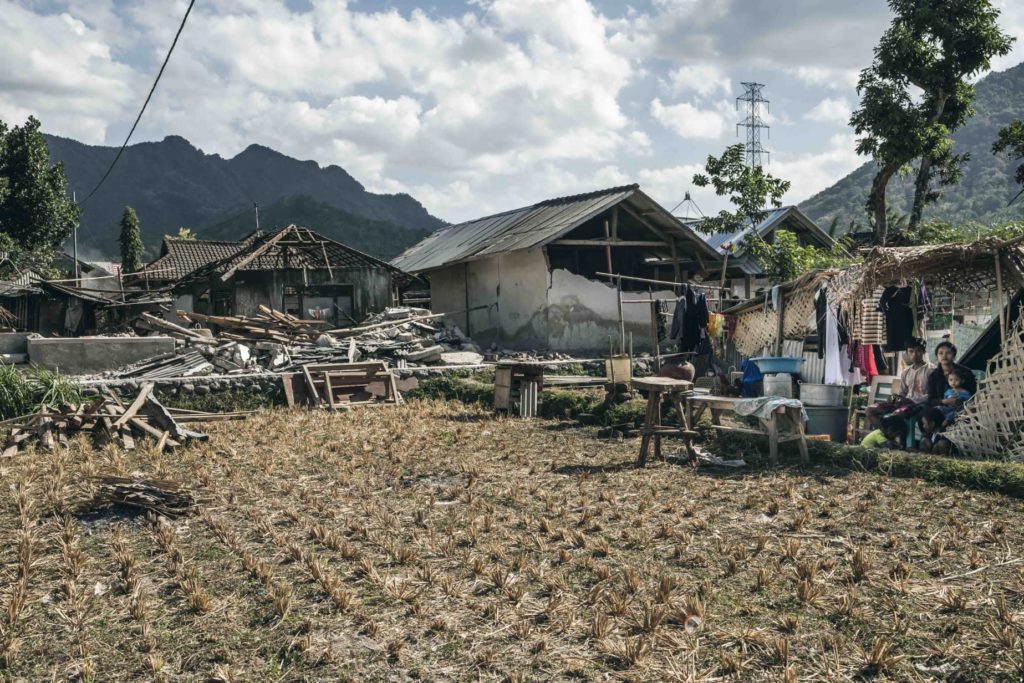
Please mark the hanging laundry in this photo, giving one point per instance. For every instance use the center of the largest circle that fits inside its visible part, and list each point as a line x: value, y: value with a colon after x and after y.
x: 833, y: 360
x: 690, y: 320
x: 660, y: 312
x: 716, y: 325
x: 820, y: 319
x: 895, y: 303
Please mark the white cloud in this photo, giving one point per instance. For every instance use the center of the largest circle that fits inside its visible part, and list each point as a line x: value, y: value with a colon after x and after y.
x: 834, y: 79
x: 703, y: 79
x: 814, y: 171
x: 689, y: 121
x: 831, y: 110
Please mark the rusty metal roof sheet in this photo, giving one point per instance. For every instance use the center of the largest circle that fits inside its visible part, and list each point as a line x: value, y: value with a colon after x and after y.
x: 534, y: 226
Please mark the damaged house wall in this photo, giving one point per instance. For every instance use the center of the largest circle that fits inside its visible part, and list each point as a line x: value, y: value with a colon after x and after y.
x: 582, y: 314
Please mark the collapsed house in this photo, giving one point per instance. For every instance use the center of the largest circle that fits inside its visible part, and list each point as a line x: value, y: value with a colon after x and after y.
x: 531, y: 278
x: 294, y: 269
x: 742, y: 272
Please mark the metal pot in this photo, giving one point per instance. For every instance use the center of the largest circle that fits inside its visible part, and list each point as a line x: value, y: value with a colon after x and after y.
x: 822, y: 394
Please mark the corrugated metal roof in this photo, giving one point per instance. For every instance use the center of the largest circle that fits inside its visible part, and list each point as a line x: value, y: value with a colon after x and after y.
x: 771, y: 220
x: 530, y: 227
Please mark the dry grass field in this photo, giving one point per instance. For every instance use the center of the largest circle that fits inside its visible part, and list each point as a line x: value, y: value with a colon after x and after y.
x: 434, y: 542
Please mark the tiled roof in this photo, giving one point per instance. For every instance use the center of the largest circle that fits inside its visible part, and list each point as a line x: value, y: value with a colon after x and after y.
x: 179, y: 257
x: 290, y: 247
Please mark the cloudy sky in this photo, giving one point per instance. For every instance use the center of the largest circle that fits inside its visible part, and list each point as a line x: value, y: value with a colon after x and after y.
x: 471, y: 107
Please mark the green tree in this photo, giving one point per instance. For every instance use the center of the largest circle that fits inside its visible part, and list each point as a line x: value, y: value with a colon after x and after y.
x: 131, y: 242
x: 35, y: 208
x: 750, y: 190
x: 918, y: 90
x: 1011, y: 143
x: 783, y: 258
x: 183, y: 234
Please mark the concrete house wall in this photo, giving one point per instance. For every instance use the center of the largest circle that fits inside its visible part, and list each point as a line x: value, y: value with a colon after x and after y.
x: 529, y: 306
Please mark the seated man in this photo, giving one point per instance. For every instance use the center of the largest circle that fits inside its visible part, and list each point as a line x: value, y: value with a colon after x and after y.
x: 912, y: 396
x: 932, y: 424
x: 891, y: 435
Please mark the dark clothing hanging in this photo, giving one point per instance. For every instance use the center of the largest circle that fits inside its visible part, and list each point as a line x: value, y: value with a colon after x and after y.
x: 899, y: 317
x: 660, y: 310
x: 689, y: 319
x: 880, y: 364
x: 938, y: 383
x: 820, y: 316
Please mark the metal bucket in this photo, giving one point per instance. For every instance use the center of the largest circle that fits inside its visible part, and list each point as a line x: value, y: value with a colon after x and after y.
x: 822, y: 394
x: 779, y: 385
x: 828, y: 420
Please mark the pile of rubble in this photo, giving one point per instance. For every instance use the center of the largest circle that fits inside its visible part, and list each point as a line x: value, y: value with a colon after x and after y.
x: 278, y: 342
x: 107, y: 419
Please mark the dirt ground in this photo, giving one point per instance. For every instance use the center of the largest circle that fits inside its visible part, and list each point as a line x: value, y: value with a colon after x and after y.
x: 435, y: 542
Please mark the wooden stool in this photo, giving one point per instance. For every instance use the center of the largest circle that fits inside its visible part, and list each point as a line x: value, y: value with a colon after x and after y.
x: 655, y: 387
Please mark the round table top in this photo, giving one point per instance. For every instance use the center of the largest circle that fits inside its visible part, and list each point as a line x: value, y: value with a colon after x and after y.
x: 662, y: 384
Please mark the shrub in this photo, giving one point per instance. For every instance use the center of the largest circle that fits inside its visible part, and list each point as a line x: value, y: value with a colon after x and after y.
x: 52, y: 388
x: 15, y: 393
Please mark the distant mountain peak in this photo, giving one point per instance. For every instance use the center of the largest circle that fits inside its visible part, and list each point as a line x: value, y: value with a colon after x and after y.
x: 172, y: 183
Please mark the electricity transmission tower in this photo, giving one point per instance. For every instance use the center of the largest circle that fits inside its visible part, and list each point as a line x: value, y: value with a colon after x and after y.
x: 752, y: 99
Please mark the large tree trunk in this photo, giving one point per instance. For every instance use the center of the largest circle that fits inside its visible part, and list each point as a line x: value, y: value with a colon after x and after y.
x: 921, y: 183
x: 876, y: 202
x: 924, y: 172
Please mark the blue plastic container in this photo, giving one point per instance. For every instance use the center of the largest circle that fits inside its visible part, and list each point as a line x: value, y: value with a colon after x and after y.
x: 773, y: 364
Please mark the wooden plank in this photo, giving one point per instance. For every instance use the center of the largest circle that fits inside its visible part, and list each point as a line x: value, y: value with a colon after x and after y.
x: 139, y: 401
x: 314, y: 397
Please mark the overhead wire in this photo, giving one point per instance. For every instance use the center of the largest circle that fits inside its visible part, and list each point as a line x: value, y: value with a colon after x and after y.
x: 144, y: 104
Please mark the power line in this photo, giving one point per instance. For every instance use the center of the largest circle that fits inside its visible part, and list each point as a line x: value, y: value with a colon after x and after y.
x: 148, y: 97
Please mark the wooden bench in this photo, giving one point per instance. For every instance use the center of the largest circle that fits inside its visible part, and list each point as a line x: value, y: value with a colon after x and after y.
x: 783, y: 416
x: 653, y: 429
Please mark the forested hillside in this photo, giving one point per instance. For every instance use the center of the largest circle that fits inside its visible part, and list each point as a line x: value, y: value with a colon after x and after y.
x: 987, y: 184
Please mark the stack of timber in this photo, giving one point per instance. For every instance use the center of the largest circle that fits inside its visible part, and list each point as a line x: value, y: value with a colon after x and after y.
x: 160, y: 496
x: 269, y: 324
x: 107, y: 419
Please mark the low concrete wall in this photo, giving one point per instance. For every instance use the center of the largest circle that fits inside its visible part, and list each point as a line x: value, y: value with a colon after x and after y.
x: 86, y: 355
x: 14, y: 342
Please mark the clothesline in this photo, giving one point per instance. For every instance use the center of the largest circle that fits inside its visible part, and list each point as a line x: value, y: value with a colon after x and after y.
x: 662, y: 282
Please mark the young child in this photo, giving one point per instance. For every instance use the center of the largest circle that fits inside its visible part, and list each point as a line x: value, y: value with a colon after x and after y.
x: 932, y: 423
x: 954, y: 397
x: 892, y: 435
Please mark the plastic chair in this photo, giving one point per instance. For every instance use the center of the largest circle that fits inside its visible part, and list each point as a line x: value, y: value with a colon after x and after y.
x: 882, y: 388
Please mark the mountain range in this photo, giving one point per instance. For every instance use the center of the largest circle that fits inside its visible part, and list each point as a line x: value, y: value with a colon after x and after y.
x: 172, y: 184
x: 987, y: 185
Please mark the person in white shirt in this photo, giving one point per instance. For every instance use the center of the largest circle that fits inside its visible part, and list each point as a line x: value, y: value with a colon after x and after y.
x: 912, y: 395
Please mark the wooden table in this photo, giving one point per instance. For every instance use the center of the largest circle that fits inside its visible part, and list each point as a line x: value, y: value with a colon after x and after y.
x: 783, y: 416
x: 655, y: 387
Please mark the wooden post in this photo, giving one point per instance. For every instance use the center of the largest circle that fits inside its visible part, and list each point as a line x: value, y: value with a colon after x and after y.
x: 781, y: 325
x: 608, y: 247
x: 622, y: 322
x: 675, y: 259
x: 654, y: 334
x: 725, y: 266
x: 999, y: 302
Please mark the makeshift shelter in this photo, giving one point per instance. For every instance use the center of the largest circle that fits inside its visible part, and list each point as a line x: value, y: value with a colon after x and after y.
x: 987, y: 264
